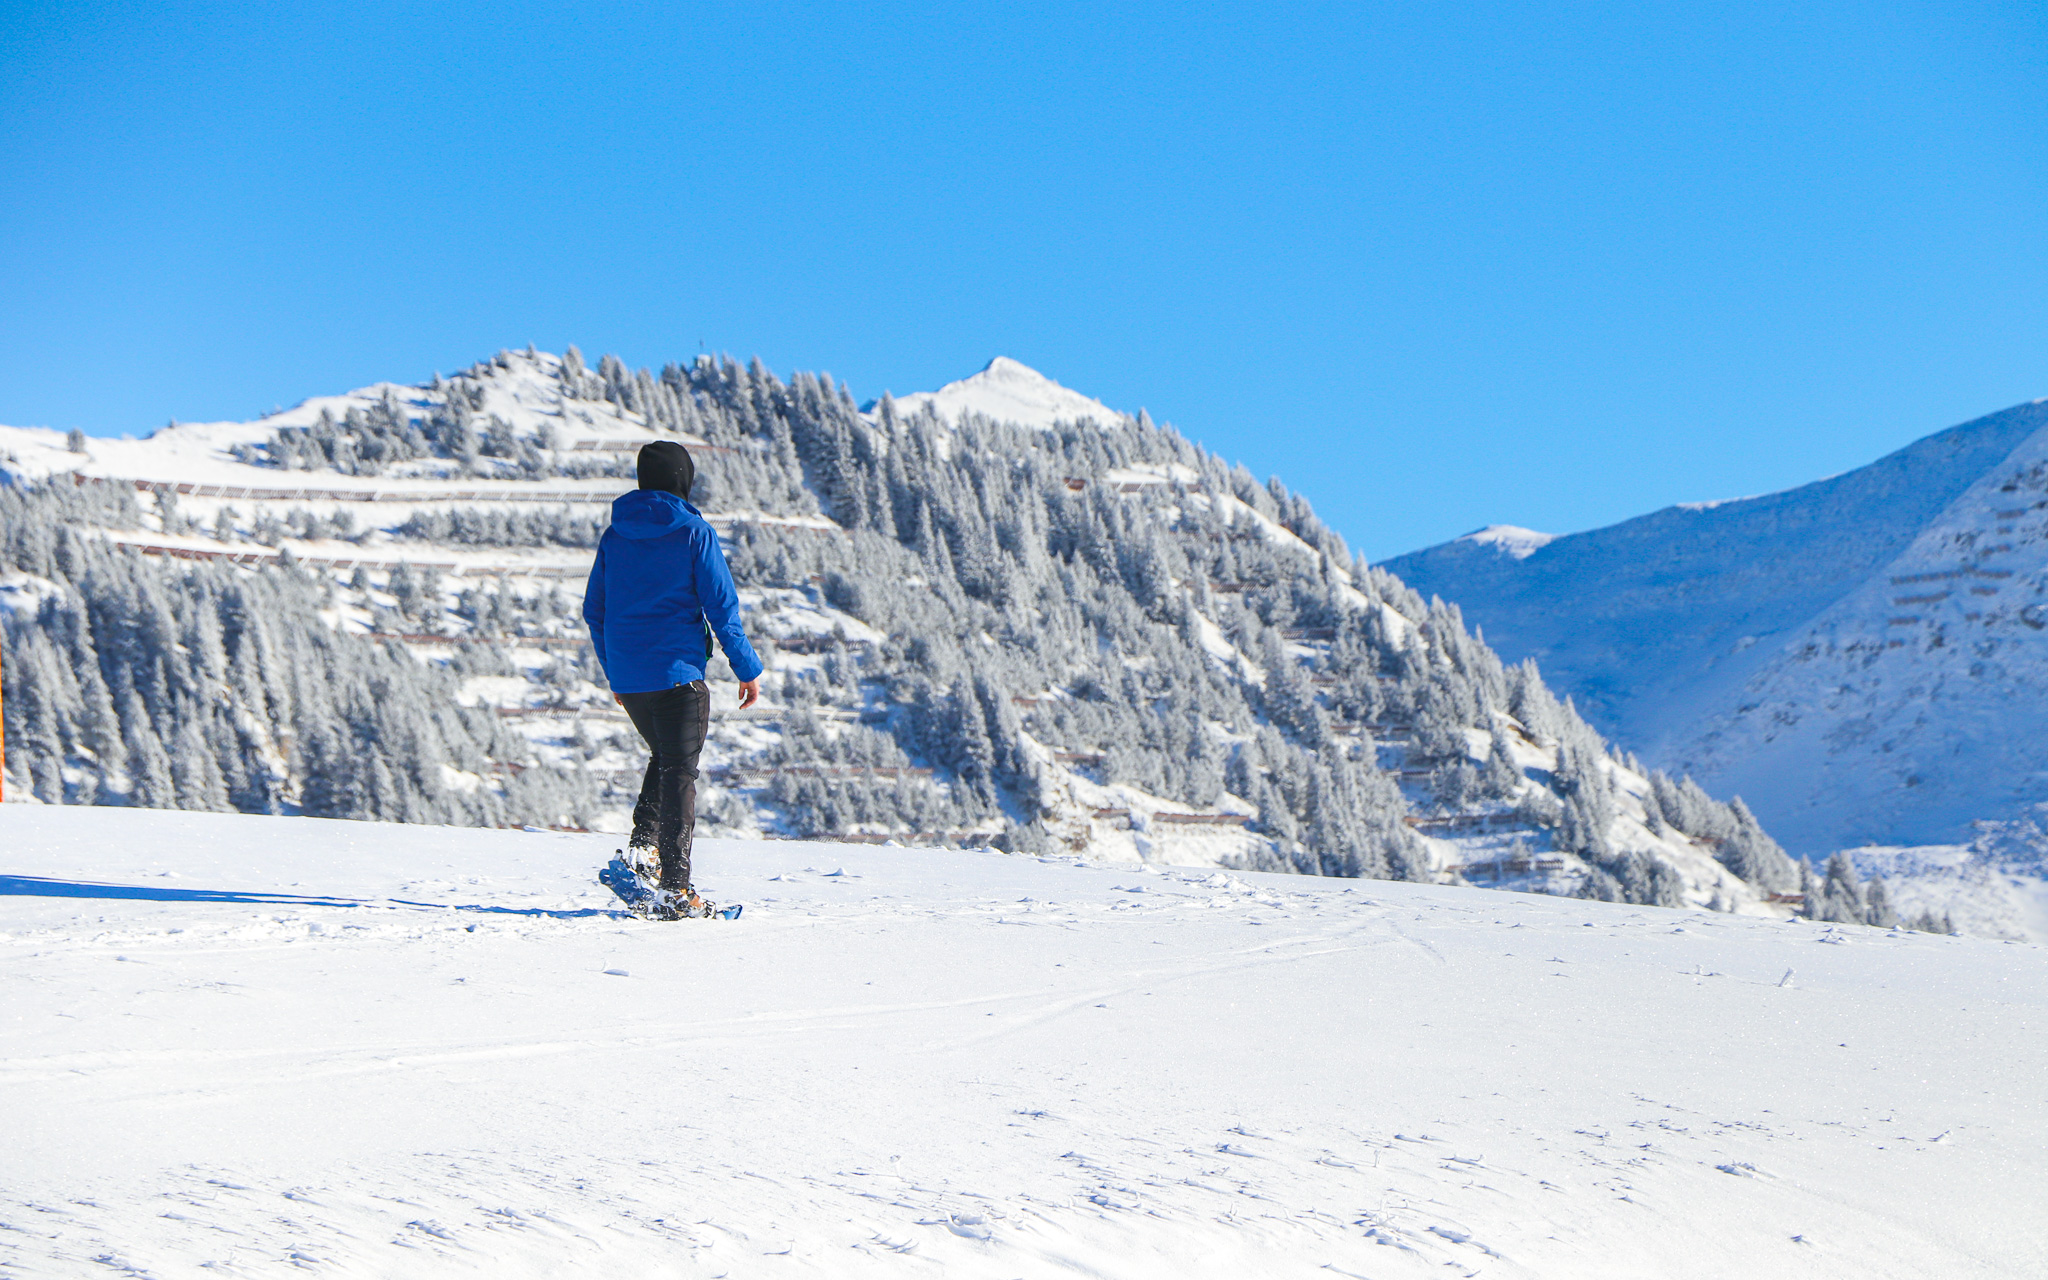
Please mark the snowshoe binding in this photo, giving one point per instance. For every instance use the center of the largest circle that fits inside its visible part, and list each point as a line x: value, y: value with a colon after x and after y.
x: 645, y: 862
x: 687, y: 905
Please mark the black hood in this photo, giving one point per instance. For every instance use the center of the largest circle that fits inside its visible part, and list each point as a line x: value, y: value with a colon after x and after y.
x: 666, y: 466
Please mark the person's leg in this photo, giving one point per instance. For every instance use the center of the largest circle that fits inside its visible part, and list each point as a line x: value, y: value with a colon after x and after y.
x: 647, y: 809
x: 690, y: 716
x: 641, y: 710
x: 673, y: 721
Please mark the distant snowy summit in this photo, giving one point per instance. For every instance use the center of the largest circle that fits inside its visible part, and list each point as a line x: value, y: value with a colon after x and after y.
x: 1008, y: 391
x: 1510, y: 540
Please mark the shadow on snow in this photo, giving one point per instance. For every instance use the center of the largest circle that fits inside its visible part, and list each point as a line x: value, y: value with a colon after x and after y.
x: 44, y: 887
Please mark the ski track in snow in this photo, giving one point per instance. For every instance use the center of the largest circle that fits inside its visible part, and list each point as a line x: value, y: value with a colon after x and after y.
x: 246, y: 1045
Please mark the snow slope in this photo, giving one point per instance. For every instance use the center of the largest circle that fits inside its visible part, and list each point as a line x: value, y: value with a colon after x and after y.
x: 1862, y: 658
x: 1009, y: 392
x: 523, y: 391
x: 245, y: 1044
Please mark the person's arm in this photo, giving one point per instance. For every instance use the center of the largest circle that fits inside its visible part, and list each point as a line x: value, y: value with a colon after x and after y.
x: 722, y: 610
x: 593, y: 610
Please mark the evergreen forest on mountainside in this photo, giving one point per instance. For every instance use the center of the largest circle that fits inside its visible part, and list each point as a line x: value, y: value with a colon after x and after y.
x: 1023, y: 620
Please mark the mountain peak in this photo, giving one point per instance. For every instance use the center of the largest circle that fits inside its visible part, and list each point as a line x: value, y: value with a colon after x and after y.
x: 1006, y: 368
x: 1010, y: 391
x: 1511, y: 540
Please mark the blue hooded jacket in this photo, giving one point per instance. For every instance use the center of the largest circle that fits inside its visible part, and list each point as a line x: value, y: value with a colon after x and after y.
x: 659, y: 578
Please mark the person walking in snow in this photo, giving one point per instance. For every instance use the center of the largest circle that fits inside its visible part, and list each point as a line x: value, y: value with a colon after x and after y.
x: 659, y: 591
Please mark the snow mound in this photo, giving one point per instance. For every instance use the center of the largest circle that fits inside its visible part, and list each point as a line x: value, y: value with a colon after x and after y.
x: 250, y: 1044
x: 1010, y: 392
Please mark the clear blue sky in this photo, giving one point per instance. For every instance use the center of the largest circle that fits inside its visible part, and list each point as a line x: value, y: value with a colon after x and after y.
x: 1436, y: 265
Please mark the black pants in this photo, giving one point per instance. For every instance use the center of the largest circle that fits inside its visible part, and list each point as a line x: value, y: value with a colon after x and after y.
x: 673, y: 722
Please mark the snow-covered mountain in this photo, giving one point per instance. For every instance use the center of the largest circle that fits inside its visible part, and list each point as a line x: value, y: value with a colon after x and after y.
x: 992, y: 617
x: 1863, y: 659
x: 1007, y: 391
x: 254, y: 1046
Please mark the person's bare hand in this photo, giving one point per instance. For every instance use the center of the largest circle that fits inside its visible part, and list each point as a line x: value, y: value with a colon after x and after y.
x: 750, y: 692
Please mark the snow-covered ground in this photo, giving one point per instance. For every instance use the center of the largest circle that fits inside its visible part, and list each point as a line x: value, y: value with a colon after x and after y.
x: 1979, y: 896
x: 243, y: 1044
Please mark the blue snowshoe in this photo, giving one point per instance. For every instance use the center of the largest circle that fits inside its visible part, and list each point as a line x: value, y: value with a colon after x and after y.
x: 651, y: 902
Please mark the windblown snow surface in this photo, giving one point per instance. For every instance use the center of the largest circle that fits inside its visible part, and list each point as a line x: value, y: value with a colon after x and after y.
x: 246, y: 1044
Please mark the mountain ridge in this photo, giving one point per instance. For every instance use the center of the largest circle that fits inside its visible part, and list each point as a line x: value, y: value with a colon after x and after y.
x: 1766, y: 643
x: 1090, y: 636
